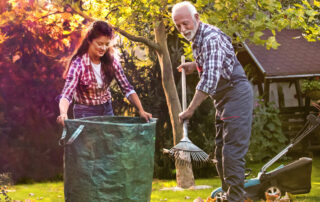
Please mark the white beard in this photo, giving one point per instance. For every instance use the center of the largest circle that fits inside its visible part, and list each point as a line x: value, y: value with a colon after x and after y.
x: 190, y: 33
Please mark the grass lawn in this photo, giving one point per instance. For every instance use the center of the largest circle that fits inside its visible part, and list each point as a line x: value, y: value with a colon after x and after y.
x: 53, y: 191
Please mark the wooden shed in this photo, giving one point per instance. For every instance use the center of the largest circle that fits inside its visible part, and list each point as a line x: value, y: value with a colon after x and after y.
x: 278, y: 74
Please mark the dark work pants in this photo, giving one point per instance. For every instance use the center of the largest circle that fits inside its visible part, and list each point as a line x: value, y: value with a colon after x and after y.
x: 233, y: 130
x: 81, y: 111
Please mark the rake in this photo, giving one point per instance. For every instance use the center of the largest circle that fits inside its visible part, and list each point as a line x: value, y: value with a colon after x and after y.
x: 185, y: 151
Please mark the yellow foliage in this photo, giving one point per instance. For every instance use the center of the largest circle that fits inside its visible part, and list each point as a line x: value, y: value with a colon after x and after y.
x: 13, y: 3
x: 219, y: 6
x: 77, y: 18
x: 3, y: 37
x: 66, y: 42
x: 65, y: 32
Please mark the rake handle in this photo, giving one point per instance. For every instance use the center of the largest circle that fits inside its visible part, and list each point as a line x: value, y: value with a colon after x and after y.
x: 183, y: 84
x: 184, y: 96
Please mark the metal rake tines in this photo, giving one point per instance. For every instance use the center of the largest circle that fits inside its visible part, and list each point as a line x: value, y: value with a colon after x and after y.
x: 186, y: 145
x: 182, y: 157
x: 185, y: 152
x: 199, y: 156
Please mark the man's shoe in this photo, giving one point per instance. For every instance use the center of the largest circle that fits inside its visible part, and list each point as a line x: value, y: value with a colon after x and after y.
x: 209, y: 199
x: 248, y: 200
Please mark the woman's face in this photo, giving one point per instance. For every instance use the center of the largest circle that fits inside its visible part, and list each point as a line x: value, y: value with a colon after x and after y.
x: 99, y: 46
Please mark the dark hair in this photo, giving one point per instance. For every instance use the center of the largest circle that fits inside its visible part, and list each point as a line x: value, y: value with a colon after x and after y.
x: 98, y: 28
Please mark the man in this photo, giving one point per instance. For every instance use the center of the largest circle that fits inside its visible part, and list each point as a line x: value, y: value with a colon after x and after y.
x: 223, y: 79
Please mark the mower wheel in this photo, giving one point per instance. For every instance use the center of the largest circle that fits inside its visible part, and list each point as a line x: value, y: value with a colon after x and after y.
x: 273, y: 191
x: 218, y: 196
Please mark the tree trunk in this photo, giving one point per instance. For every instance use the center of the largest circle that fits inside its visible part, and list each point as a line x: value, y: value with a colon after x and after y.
x: 184, y: 176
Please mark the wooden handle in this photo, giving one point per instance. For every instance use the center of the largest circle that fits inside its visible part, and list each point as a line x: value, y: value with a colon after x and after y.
x: 183, y: 84
x: 184, y: 97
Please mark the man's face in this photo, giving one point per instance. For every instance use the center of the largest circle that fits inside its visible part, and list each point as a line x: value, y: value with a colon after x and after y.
x: 185, y: 23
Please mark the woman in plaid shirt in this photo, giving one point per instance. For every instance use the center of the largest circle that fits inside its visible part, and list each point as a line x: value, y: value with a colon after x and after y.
x: 89, y: 75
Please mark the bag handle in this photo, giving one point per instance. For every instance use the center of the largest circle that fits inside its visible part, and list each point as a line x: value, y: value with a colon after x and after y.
x: 73, y: 137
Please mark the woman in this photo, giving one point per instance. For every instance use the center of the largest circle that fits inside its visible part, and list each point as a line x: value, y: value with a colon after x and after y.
x: 89, y: 75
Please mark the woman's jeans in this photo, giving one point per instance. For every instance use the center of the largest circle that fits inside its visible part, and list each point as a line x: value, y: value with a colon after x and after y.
x: 81, y: 111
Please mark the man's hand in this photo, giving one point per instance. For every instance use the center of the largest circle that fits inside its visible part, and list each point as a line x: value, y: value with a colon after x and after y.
x: 185, y: 115
x: 198, y: 98
x: 189, y: 67
x: 147, y: 116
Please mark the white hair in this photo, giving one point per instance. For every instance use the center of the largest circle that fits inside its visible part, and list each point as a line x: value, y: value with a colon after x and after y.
x: 187, y: 4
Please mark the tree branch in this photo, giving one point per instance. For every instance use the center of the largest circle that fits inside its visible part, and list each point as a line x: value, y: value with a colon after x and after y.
x: 81, y: 13
x: 112, y: 10
x: 143, y: 40
x: 45, y: 16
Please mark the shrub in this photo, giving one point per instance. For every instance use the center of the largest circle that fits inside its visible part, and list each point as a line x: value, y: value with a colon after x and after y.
x: 310, y: 85
x: 5, y: 180
x: 311, y: 88
x: 267, y: 138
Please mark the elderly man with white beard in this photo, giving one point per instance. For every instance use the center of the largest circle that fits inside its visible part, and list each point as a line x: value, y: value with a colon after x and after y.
x: 223, y: 79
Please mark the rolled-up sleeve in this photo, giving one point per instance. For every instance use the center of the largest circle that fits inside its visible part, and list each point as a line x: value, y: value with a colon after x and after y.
x: 213, y: 57
x: 72, y: 81
x: 126, y: 88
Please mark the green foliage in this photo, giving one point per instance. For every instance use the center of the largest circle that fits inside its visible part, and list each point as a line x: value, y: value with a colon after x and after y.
x: 305, y: 16
x: 310, y: 85
x: 249, y: 18
x: 267, y: 138
x: 253, y: 74
x: 311, y: 88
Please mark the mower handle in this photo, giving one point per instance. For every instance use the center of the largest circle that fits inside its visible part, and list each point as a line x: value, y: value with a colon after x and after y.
x: 247, y: 172
x: 312, y: 123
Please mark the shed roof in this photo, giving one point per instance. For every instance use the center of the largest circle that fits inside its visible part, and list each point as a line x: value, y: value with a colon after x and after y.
x: 295, y: 57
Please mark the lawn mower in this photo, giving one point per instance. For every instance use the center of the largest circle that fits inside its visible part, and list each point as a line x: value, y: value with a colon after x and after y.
x: 294, y: 178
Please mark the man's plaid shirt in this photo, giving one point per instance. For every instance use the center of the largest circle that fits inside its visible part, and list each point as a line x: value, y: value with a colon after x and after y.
x: 214, y: 56
x: 82, y: 87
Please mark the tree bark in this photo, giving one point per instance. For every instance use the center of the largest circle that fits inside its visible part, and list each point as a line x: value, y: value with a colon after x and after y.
x: 184, y: 174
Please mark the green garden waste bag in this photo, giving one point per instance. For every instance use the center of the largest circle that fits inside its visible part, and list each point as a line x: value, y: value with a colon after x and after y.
x: 108, y: 159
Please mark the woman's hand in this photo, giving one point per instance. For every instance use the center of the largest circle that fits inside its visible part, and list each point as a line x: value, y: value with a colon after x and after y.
x: 189, y: 67
x: 61, y: 118
x: 147, y: 116
x: 134, y: 99
x: 63, y: 107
